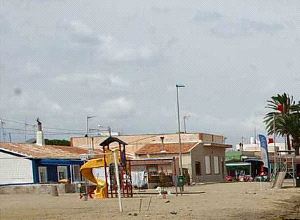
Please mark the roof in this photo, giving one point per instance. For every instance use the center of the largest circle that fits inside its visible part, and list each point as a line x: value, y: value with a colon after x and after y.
x: 111, y: 139
x: 151, y: 161
x: 169, y: 148
x: 217, y: 145
x: 135, y: 142
x: 41, y: 152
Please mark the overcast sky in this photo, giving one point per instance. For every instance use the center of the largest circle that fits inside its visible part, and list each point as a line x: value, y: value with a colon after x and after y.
x: 120, y: 60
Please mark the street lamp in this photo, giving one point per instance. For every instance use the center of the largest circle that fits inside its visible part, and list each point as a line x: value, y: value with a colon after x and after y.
x: 178, y: 120
x: 87, y: 126
x: 89, y: 152
x: 87, y: 131
x: 108, y: 129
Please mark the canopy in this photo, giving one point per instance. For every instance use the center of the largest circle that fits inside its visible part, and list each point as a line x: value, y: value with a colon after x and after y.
x: 237, y: 164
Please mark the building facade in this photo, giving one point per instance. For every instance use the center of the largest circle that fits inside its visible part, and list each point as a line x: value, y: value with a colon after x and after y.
x: 203, y: 162
x: 30, y: 164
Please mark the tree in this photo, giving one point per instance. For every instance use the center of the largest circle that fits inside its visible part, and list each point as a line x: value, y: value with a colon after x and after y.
x: 292, y: 124
x: 57, y: 142
x: 280, y: 106
x: 284, y: 119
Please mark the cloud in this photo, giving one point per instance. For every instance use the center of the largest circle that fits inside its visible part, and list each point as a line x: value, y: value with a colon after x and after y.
x: 65, y: 61
x: 81, y: 33
x: 244, y: 27
x: 207, y: 16
x: 93, y: 80
x: 107, y: 47
x: 32, y: 69
x: 114, y: 51
x: 120, y: 107
x: 228, y: 27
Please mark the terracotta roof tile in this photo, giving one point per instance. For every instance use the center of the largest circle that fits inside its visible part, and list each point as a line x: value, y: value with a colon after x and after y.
x: 47, y: 151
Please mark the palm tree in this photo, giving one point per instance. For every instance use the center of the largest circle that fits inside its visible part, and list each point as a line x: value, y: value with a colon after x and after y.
x: 281, y: 105
x: 291, y: 123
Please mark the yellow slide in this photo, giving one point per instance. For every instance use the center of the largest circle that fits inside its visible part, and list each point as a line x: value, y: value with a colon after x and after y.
x: 87, y: 171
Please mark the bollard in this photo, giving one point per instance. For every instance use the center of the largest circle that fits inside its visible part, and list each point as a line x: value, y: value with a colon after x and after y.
x: 54, y: 191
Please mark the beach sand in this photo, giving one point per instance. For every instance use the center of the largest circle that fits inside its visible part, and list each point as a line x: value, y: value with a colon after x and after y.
x: 218, y: 201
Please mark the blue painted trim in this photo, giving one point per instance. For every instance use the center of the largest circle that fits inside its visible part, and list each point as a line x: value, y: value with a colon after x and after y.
x: 60, y: 162
x: 35, y: 171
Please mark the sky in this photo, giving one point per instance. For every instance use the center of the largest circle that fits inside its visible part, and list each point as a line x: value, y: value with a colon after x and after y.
x: 120, y: 61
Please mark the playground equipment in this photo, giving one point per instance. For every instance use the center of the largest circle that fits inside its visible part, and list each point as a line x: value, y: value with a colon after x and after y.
x: 87, y: 171
x: 108, y: 186
x: 284, y: 166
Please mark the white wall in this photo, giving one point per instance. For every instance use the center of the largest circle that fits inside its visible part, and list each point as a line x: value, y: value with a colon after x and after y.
x: 256, y: 147
x: 15, y: 170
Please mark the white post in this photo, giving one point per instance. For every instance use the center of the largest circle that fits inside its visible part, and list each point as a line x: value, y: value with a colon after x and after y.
x: 118, y: 180
x: 274, y: 143
x: 71, y: 172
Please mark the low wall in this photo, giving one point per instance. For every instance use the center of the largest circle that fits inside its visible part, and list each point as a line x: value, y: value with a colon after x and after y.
x: 37, y: 188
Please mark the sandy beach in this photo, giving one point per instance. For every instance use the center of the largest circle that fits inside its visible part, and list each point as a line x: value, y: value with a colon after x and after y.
x: 216, y: 201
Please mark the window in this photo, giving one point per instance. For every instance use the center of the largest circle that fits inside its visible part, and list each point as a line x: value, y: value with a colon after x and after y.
x: 207, y: 165
x: 76, y: 173
x: 62, y: 172
x: 216, y: 165
x: 43, y: 175
x: 198, y: 168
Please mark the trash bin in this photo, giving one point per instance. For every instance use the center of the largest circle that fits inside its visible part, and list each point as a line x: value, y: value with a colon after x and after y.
x: 298, y: 181
x: 180, y: 181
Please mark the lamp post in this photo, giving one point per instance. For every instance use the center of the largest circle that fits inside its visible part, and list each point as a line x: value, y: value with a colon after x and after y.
x: 87, y: 131
x: 178, y: 121
x: 89, y: 152
x: 108, y: 129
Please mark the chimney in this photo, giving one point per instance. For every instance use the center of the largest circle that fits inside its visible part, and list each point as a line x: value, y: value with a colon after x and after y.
x: 40, y: 141
x: 162, y: 149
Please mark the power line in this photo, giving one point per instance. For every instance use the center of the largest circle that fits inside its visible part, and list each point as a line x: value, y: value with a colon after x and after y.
x: 17, y: 122
x: 64, y: 129
x: 50, y: 128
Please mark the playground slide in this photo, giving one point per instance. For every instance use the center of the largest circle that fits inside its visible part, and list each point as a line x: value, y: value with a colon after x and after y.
x: 87, y: 171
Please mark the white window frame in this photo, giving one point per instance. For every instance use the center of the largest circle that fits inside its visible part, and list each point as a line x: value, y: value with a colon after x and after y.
x: 207, y: 165
x: 63, y: 169
x: 43, y: 169
x: 76, y: 177
x: 216, y: 165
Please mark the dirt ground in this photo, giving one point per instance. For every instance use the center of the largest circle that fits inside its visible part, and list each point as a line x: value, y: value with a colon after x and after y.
x: 217, y: 201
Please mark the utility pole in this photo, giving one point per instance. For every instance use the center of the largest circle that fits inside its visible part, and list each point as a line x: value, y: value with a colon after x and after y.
x: 178, y: 121
x: 87, y: 132
x: 184, y: 122
x: 25, y: 131
x: 2, y: 130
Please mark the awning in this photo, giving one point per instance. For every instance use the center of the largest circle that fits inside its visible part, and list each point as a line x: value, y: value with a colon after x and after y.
x: 237, y: 164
